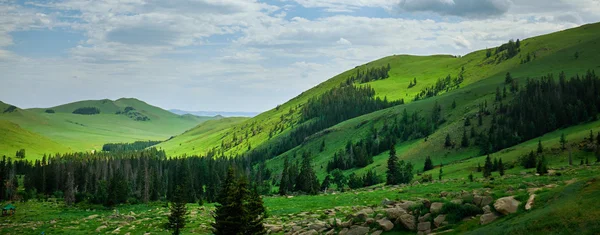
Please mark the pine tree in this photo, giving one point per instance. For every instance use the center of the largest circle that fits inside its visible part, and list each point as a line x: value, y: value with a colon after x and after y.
x: 487, y: 167
x: 441, y: 172
x: 178, y: 211
x: 471, y: 177
x: 354, y: 181
x: 467, y: 121
x: 284, y: 178
x: 508, y: 78
x: 478, y: 167
x: 587, y: 161
x: 428, y: 164
x: 230, y: 212
x: 256, y: 214
x: 326, y: 183
x: 540, y: 149
x: 448, y: 142
x: 393, y: 172
x: 563, y: 141
x: 465, y: 140
x: 118, y: 189
x: 322, y: 146
x: 453, y: 104
x: 339, y: 179
x: 542, y: 167
x: 307, y: 179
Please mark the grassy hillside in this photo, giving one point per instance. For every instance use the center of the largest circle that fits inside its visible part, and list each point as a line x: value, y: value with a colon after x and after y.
x: 192, y: 141
x: 89, y: 132
x: 549, y: 54
x: 15, y: 138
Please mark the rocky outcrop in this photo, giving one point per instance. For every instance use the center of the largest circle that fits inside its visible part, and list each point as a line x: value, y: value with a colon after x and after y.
x: 439, y: 220
x: 408, y: 221
x: 436, y: 207
x: 507, y: 205
x: 385, y: 224
x: 394, y: 213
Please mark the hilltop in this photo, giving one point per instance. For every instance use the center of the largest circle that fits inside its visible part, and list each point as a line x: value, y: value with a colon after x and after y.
x: 87, y: 125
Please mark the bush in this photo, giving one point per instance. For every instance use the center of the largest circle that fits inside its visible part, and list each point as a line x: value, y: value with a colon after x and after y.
x: 87, y: 111
x: 456, y: 212
x: 49, y: 111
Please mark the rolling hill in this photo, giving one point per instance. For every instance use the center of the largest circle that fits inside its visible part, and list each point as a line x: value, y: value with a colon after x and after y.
x: 122, y: 120
x: 481, y: 75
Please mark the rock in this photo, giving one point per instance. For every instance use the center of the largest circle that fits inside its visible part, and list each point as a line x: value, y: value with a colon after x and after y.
x: 385, y: 224
x: 436, y: 207
x: 529, y: 204
x: 394, y: 213
x: 369, y: 221
x: 367, y: 211
x: 362, y: 216
x: 426, y: 203
x: 117, y: 230
x: 92, y: 217
x: 343, y: 231
x: 378, y: 232
x: 457, y: 201
x: 290, y: 196
x: 507, y: 205
x: 316, y: 226
x: 408, y: 221
x: 485, y: 200
x: 387, y: 202
x: 100, y: 228
x: 443, y: 194
x: 425, y: 217
x: 335, y: 221
x: 53, y: 221
x: 310, y: 232
x: 271, y: 228
x: 406, y: 204
x: 487, y: 209
x: 424, y: 226
x: 346, y: 224
x: 358, y: 230
x: 487, y: 218
x: 296, y: 228
x: 439, y: 220
x: 477, y: 200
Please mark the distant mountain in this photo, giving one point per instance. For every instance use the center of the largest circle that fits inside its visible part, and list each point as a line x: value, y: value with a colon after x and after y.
x: 214, y: 113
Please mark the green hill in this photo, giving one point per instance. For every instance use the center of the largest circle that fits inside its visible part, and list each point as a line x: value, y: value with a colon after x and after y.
x: 15, y: 138
x: 123, y: 120
x: 550, y: 53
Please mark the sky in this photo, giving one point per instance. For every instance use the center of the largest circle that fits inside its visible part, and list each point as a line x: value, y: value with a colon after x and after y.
x: 240, y: 55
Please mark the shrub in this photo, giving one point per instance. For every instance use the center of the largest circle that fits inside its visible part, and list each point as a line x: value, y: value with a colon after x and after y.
x: 87, y: 111
x: 49, y: 111
x: 456, y: 212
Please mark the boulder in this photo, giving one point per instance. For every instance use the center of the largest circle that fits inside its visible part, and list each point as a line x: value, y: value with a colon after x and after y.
x: 273, y: 228
x: 477, y: 200
x: 486, y: 200
x: 316, y: 226
x: 443, y: 194
x: 100, y: 228
x: 92, y: 217
x: 439, y: 220
x: 408, y: 221
x: 487, y: 209
x: 426, y: 203
x: 385, y: 224
x: 507, y: 205
x: 425, y: 227
x: 394, y: 213
x: 530, y: 201
x: 346, y: 224
x: 457, y: 201
x: 310, y: 232
x: 425, y: 217
x: 487, y: 218
x: 387, y: 202
x: 406, y: 204
x: 436, y: 207
x: 344, y: 231
x: 358, y: 230
x: 367, y: 211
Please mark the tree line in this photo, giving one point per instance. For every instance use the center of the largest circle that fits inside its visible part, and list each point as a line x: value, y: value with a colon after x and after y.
x: 87, y: 111
x: 371, y: 74
x: 135, y: 146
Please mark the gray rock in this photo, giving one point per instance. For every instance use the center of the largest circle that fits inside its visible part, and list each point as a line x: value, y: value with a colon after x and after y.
x: 507, y: 205
x: 486, y: 200
x: 439, y: 220
x: 436, y: 207
x: 385, y: 224
x: 387, y: 202
x: 443, y: 194
x: 530, y: 201
x: 408, y: 221
x: 344, y: 231
x: 406, y: 204
x: 425, y: 217
x: 394, y: 213
x: 487, y: 209
x: 424, y: 226
x: 310, y: 232
x: 457, y: 201
x: 378, y: 232
x: 358, y: 230
x: 487, y: 218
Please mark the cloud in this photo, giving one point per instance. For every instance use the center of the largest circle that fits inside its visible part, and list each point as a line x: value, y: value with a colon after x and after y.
x: 345, y: 6
x: 461, y: 8
x: 344, y: 42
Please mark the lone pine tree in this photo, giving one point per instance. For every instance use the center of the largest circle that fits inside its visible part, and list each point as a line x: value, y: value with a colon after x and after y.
x: 178, y: 211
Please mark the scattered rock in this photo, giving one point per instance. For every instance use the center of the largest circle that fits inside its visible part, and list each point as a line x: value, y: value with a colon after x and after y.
x: 92, y: 217
x: 406, y: 204
x: 310, y: 232
x: 387, y: 202
x: 529, y: 204
x: 425, y: 227
x: 100, y: 228
x: 436, y: 207
x: 394, y: 213
x: 344, y: 231
x: 425, y: 217
x: 378, y: 232
x: 486, y: 200
x: 385, y: 224
x: 408, y: 221
x: 457, y: 201
x: 487, y: 218
x: 439, y: 220
x: 358, y: 230
x: 507, y: 205
x: 487, y: 209
x: 443, y: 194
x: 273, y: 228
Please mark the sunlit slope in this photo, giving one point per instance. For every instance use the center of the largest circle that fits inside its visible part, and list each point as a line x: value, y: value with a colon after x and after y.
x: 15, y: 138
x: 193, y: 141
x: 549, y: 53
x: 555, y: 54
x: 90, y: 132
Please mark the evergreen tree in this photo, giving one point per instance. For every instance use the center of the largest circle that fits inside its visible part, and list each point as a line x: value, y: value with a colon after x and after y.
x: 354, y: 181
x: 478, y: 167
x: 473, y: 133
x: 118, y: 189
x: 487, y: 167
x: 322, y: 146
x: 307, y: 179
x: 540, y: 149
x: 448, y: 142
x: 467, y: 121
x: 326, y: 183
x: 393, y: 173
x: 441, y: 172
x: 284, y: 181
x: 178, y: 211
x: 230, y: 211
x: 530, y: 161
x: 453, y: 104
x: 465, y: 140
x: 480, y: 119
x: 508, y: 78
x: 428, y: 164
x: 542, y: 167
x: 339, y: 179
x: 471, y: 177
x: 256, y: 214
x: 563, y: 141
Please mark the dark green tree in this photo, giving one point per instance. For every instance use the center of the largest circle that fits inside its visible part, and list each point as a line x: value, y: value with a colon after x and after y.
x: 448, y: 142
x: 471, y: 177
x: 487, y: 167
x: 230, y: 212
x: 542, y: 167
x: 563, y: 141
x: 256, y: 213
x: 355, y: 181
x: 326, y: 183
x: 178, y: 211
x: 540, y: 148
x: 465, y: 140
x: 339, y: 179
x: 284, y: 181
x: 393, y: 173
x: 501, y: 167
x: 428, y: 164
x: 508, y: 78
x: 118, y: 189
x: 307, y: 181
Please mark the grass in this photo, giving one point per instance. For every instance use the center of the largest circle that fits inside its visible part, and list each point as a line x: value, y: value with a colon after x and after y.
x: 89, y: 132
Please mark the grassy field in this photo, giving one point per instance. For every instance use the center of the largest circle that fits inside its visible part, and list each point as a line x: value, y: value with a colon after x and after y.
x: 89, y: 132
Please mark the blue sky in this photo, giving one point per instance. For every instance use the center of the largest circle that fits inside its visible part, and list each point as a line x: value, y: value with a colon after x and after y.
x: 240, y: 55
